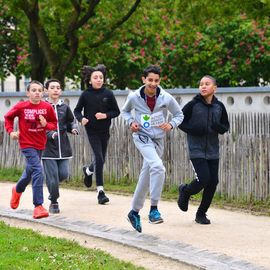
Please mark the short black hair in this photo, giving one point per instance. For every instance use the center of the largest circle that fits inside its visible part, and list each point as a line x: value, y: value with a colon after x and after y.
x: 87, y: 72
x: 34, y: 82
x: 47, y: 84
x: 151, y: 69
x: 211, y: 78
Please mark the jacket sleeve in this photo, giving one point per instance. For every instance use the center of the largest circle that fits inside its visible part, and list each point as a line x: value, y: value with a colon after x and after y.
x: 187, y: 126
x: 52, y: 120
x: 9, y: 119
x: 79, y: 107
x: 127, y: 108
x: 71, y: 121
x: 114, y: 110
x: 177, y: 114
x: 223, y: 124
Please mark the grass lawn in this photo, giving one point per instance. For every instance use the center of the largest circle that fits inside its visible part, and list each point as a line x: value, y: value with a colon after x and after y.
x: 25, y: 249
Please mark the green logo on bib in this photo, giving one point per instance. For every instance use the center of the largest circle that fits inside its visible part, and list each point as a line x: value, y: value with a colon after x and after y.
x: 146, y: 117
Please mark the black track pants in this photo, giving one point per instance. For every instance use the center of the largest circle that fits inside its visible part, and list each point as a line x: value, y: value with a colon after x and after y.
x: 207, y: 179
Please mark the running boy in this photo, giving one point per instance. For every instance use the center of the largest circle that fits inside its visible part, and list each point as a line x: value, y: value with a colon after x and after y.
x: 149, y: 126
x: 35, y: 117
x: 205, y: 118
x: 99, y: 106
x: 58, y: 150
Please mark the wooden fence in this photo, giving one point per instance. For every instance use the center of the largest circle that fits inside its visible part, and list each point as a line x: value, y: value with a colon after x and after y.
x: 244, y: 159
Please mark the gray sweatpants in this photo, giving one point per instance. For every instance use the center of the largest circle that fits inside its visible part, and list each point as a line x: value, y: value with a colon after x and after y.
x: 152, y: 174
x: 55, y: 172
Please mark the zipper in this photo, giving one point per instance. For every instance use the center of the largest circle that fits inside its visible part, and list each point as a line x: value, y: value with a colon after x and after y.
x: 206, y: 137
x: 58, y: 131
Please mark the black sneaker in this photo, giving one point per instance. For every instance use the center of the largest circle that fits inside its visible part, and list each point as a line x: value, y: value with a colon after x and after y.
x: 87, y: 178
x: 202, y: 219
x: 102, y: 198
x: 54, y: 208
x: 183, y: 198
x: 135, y: 221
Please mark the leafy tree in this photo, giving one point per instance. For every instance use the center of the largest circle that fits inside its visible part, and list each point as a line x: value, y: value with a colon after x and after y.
x: 13, y: 53
x: 234, y: 50
x: 187, y: 38
x: 55, y: 27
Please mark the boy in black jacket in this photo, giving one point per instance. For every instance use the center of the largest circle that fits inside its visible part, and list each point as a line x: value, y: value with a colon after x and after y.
x: 58, y: 151
x: 204, y: 118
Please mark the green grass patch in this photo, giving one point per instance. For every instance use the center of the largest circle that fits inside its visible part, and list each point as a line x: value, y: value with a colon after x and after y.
x: 10, y: 174
x: 26, y: 249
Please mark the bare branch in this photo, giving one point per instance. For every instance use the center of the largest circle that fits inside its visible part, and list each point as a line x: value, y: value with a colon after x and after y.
x: 109, y: 34
x: 85, y: 18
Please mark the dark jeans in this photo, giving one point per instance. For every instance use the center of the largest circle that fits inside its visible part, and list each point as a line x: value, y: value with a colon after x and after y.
x: 206, y: 179
x: 33, y: 171
x: 99, y: 143
x: 55, y: 170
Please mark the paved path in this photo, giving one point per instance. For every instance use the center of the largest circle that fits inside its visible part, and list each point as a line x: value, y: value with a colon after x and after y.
x: 234, y: 240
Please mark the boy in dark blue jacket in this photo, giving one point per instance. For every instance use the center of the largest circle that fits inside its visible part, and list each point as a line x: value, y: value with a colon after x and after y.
x: 205, y: 117
x: 58, y: 151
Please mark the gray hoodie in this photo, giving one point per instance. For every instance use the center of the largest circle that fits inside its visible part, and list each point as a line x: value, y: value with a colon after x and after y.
x: 148, y: 120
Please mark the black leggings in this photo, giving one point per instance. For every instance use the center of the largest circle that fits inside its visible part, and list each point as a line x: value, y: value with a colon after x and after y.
x: 99, y: 143
x: 207, y: 179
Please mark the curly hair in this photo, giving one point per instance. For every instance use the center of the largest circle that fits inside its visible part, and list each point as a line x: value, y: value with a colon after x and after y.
x: 87, y: 71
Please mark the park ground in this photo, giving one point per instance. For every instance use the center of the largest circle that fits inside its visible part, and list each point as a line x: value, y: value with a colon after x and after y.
x: 234, y: 240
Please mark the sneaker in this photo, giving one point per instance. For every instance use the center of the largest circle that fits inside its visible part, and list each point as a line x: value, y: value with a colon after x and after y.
x: 54, y: 208
x: 202, y: 219
x: 135, y: 221
x: 40, y: 212
x: 87, y: 177
x: 154, y: 217
x: 102, y: 198
x: 15, y: 198
x: 183, y: 198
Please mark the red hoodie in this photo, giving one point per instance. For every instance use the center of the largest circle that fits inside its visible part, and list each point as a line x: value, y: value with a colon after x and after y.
x: 32, y: 134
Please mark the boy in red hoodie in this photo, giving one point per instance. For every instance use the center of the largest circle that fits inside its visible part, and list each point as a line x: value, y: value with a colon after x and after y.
x: 35, y: 117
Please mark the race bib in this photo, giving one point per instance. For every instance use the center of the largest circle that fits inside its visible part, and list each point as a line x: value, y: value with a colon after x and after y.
x: 152, y: 120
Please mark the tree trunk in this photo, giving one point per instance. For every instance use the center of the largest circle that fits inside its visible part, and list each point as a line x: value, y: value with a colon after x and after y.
x: 37, y: 59
x: 17, y: 83
x: 2, y: 86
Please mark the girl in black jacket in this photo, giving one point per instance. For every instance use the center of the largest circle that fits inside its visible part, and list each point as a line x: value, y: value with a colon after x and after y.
x: 94, y: 110
x: 205, y: 117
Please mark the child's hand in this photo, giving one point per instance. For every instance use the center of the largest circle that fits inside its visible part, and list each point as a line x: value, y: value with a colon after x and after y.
x: 134, y: 127
x: 14, y: 135
x: 54, y: 135
x: 84, y: 121
x: 75, y: 131
x: 42, y: 120
x: 100, y: 116
x: 166, y: 126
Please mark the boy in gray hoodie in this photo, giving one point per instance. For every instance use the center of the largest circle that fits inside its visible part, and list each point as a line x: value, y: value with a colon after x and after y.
x: 149, y: 125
